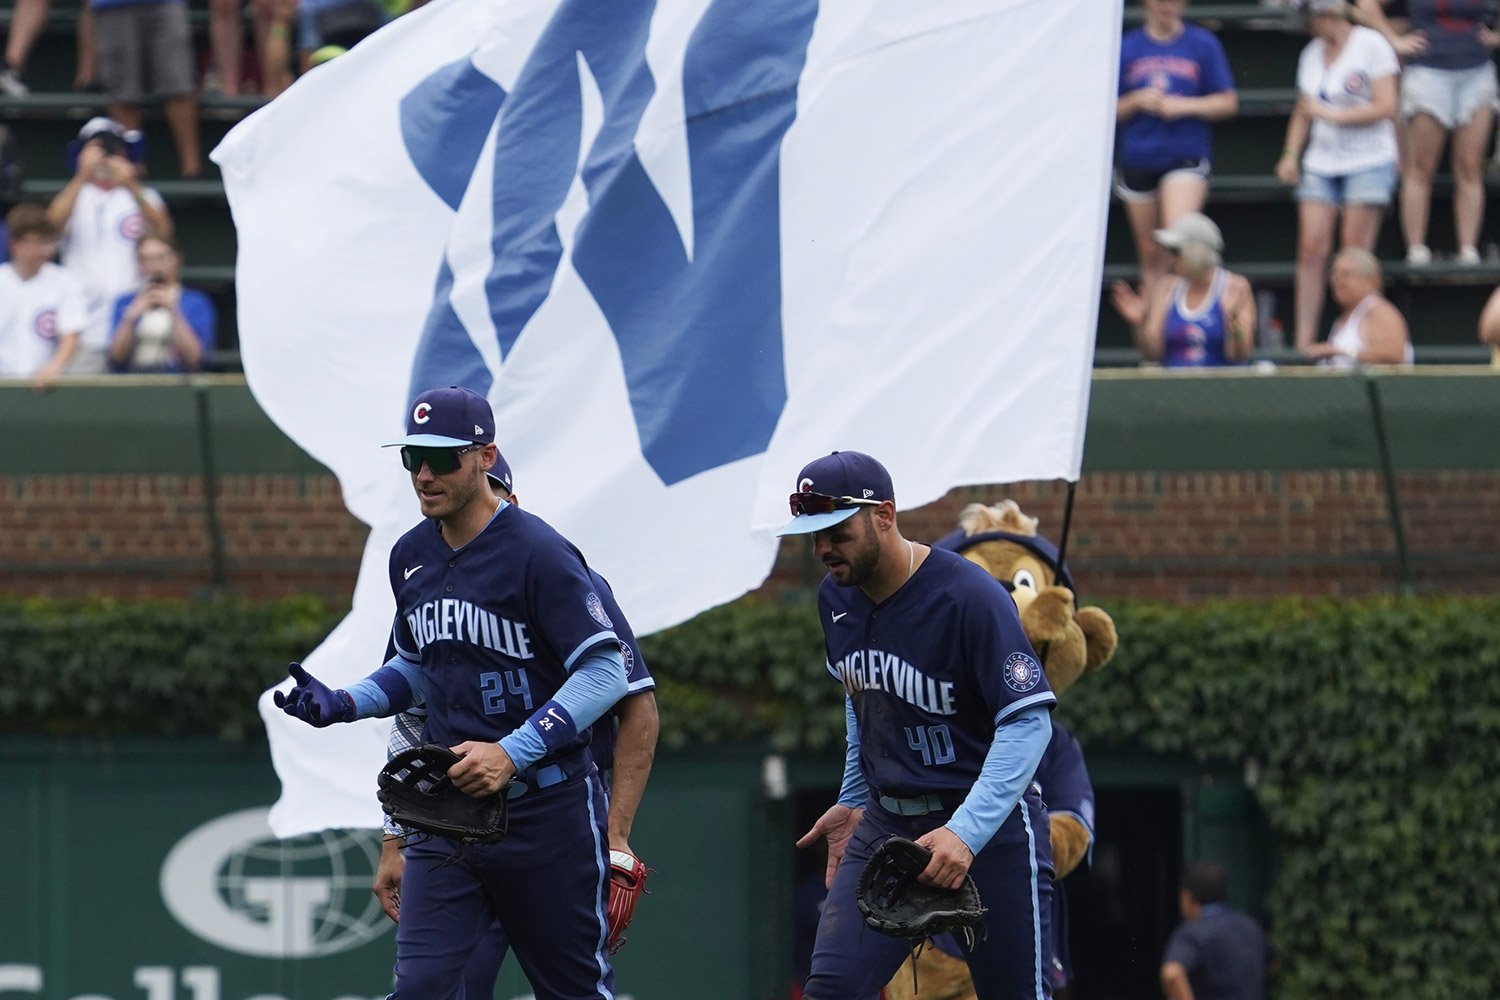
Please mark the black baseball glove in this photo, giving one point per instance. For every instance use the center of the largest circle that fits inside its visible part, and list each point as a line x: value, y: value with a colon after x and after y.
x: 417, y: 793
x: 895, y: 903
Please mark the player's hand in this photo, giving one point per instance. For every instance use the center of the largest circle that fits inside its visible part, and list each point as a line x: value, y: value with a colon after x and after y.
x: 951, y: 858
x: 387, y: 887
x: 1415, y: 43
x: 120, y: 168
x: 314, y: 702
x: 836, y: 826
x: 485, y: 769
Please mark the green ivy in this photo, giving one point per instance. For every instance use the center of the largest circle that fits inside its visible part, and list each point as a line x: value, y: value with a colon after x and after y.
x: 1375, y: 725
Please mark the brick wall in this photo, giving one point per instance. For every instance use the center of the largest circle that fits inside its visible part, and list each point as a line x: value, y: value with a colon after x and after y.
x: 1174, y: 537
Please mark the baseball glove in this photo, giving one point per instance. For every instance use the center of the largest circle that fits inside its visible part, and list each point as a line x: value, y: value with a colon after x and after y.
x: 417, y: 793
x: 894, y: 902
x: 627, y: 880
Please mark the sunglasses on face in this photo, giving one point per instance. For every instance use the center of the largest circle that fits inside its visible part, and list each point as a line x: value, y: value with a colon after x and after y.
x: 440, y: 460
x: 821, y: 503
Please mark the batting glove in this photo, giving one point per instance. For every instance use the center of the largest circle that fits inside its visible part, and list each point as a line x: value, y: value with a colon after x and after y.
x: 314, y: 702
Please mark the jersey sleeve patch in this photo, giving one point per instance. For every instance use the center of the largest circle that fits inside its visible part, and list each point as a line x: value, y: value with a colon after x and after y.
x: 1022, y: 673
x: 597, y: 612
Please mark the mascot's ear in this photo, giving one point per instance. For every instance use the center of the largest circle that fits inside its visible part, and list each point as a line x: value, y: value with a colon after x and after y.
x: 1006, y: 515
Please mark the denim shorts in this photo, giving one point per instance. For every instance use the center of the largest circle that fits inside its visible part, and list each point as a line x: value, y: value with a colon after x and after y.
x: 1371, y: 186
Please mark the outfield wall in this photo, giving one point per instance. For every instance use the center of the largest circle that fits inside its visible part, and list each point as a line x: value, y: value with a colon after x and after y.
x: 1245, y: 483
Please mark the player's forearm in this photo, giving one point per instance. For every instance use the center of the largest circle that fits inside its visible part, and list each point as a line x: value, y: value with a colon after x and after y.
x: 854, y: 790
x: 60, y: 209
x: 596, y: 683
x: 635, y: 751
x: 1008, y: 768
x: 393, y: 688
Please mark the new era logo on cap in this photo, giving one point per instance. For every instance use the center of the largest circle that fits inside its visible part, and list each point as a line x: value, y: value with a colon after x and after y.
x: 448, y: 418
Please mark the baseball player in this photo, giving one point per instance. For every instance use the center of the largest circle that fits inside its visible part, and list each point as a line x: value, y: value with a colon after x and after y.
x: 623, y: 745
x: 948, y: 713
x: 501, y: 632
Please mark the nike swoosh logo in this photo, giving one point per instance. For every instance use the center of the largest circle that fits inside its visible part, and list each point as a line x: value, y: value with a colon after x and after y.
x: 412, y: 570
x: 839, y: 614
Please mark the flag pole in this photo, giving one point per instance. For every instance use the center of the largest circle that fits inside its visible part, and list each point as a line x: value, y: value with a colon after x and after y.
x: 1062, y: 542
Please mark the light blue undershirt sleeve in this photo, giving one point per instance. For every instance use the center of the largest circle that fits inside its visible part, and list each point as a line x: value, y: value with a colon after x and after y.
x: 596, y: 683
x: 855, y: 791
x: 1019, y: 744
x: 393, y: 688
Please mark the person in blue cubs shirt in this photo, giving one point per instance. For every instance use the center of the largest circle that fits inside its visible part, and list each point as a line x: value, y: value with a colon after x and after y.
x: 1174, y: 81
x: 947, y: 713
x: 500, y: 631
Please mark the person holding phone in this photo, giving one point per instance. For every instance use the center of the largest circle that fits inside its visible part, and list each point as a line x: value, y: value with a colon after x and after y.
x: 163, y: 327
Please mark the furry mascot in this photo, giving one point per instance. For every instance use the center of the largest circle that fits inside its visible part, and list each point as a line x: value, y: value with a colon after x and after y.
x: 1071, y: 643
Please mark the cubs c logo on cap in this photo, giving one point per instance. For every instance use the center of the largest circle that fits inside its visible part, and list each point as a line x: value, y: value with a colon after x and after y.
x: 422, y: 413
x: 805, y: 486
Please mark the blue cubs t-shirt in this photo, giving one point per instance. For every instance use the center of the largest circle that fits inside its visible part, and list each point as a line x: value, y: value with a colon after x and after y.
x: 1191, y: 65
x: 931, y: 671
x: 496, y: 625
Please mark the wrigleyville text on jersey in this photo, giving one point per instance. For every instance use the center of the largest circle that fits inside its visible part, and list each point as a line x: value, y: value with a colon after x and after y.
x: 457, y: 620
x: 877, y: 670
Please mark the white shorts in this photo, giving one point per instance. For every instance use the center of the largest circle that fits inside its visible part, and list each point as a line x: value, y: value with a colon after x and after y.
x: 1452, y: 96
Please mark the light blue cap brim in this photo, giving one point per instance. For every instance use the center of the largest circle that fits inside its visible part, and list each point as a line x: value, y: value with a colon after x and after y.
x: 806, y: 524
x: 429, y: 441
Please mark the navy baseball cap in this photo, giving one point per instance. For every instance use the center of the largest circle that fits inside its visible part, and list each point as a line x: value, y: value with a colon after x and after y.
x: 850, y: 479
x: 448, y: 418
x: 500, y: 473
x: 134, y: 143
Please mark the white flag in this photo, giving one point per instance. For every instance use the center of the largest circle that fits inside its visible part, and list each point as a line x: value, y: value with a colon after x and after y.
x: 684, y: 246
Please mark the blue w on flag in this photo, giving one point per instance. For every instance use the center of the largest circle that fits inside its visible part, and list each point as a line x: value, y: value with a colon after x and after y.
x: 684, y: 246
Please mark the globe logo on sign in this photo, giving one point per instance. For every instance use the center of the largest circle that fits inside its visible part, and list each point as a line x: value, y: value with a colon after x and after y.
x: 235, y: 885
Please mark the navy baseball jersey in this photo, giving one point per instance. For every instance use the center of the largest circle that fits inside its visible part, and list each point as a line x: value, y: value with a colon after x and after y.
x: 495, y: 625
x: 931, y: 671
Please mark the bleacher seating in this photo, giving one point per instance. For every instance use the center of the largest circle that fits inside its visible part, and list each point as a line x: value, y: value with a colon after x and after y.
x: 1255, y: 211
x: 1259, y: 217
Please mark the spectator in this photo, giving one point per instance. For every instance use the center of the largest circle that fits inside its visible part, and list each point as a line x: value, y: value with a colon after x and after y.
x: 41, y: 304
x: 1346, y: 103
x: 1448, y: 91
x: 276, y: 59
x: 1205, y: 318
x: 1370, y: 330
x: 1217, y: 952
x: 164, y: 327
x: 1489, y: 326
x: 226, y: 43
x: 1174, y: 80
x: 148, y: 41
x: 10, y: 183
x: 101, y: 212
x: 28, y: 19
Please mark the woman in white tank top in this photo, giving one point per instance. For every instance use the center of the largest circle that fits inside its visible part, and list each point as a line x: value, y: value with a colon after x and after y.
x: 1369, y: 330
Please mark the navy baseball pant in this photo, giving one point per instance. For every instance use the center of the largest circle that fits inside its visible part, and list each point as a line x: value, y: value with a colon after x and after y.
x: 1014, y: 876
x: 545, y: 882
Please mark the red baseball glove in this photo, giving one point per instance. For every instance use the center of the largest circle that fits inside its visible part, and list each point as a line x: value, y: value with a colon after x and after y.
x: 627, y: 880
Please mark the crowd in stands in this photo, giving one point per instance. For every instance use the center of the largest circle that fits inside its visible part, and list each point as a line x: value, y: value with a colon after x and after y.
x: 92, y: 282
x: 1380, y: 98
x: 1378, y: 101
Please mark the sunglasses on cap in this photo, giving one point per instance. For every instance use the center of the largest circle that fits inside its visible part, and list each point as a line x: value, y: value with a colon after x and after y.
x: 821, y: 503
x: 440, y: 460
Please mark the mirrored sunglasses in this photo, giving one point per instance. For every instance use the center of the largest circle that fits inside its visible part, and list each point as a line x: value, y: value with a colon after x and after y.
x: 440, y: 460
x: 821, y: 503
